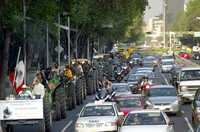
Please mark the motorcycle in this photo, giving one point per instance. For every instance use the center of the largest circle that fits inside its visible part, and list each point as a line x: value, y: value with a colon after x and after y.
x: 104, y: 95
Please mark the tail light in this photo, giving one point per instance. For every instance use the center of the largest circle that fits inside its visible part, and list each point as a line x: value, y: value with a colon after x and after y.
x: 147, y: 86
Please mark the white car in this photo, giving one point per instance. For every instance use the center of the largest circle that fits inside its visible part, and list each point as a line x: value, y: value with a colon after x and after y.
x: 99, y: 116
x: 167, y: 65
x: 147, y: 121
x: 163, y: 97
x: 168, y: 57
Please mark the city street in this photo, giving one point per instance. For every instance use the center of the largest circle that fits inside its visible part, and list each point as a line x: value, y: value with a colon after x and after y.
x: 182, y: 122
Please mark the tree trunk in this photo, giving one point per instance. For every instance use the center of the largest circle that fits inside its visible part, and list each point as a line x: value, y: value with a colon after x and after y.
x: 4, y: 61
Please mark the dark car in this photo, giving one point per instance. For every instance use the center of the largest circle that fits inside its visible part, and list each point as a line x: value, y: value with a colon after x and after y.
x: 130, y: 102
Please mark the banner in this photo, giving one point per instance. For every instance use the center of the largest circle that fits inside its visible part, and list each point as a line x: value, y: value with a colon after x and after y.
x: 21, y: 109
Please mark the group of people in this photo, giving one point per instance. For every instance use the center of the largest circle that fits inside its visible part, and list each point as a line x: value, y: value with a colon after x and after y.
x: 51, y: 77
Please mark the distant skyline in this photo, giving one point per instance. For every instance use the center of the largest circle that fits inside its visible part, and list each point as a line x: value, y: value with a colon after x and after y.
x: 154, y: 9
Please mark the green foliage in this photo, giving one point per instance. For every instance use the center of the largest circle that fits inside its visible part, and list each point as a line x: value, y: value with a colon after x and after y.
x: 93, y: 16
x: 187, y: 21
x: 90, y: 16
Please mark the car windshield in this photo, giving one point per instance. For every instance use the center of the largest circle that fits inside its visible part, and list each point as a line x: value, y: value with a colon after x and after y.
x: 190, y: 75
x: 101, y: 110
x: 145, y: 119
x: 136, y: 56
x: 129, y: 103
x: 167, y: 62
x: 120, y: 88
x: 155, y: 92
x: 167, y: 57
x: 135, y: 77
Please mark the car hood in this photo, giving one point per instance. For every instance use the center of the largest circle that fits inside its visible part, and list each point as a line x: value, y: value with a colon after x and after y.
x: 97, y: 119
x: 145, y: 128
x: 158, y: 100
x: 134, y: 82
x: 167, y: 65
x: 119, y: 94
x: 190, y: 83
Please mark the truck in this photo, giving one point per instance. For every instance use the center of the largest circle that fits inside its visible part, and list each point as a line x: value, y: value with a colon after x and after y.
x: 188, y: 81
x: 17, y: 111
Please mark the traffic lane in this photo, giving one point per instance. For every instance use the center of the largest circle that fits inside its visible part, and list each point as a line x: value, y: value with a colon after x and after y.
x: 182, y: 121
x: 65, y: 125
x: 68, y: 125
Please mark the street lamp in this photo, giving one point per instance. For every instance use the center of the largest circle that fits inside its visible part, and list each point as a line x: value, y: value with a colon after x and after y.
x: 164, y: 22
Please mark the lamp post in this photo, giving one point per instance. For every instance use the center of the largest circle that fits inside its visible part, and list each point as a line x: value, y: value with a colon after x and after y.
x: 164, y: 23
x: 24, y: 26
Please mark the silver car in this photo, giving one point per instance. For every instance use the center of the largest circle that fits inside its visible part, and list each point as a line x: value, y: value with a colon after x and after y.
x: 147, y: 121
x: 163, y: 97
x: 167, y: 65
x: 99, y: 116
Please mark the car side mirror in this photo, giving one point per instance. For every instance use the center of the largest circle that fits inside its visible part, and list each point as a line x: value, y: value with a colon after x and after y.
x: 171, y: 123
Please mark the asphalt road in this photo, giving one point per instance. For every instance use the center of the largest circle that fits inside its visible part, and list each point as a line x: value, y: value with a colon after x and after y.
x: 182, y: 122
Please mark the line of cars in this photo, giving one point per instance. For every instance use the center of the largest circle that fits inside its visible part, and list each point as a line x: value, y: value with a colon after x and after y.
x: 139, y: 104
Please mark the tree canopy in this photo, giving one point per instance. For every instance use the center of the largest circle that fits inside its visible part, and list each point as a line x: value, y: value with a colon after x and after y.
x: 188, y: 20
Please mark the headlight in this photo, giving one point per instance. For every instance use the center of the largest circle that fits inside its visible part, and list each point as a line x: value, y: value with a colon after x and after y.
x: 183, y: 88
x: 131, y: 62
x: 79, y: 125
x: 149, y: 104
x: 198, y: 109
x: 175, y: 102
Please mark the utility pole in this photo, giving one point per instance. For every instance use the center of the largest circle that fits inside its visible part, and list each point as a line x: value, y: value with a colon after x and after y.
x: 164, y: 22
x: 68, y: 34
x: 24, y: 26
x: 47, y: 43
x: 98, y: 45
x: 59, y: 39
x: 88, y: 48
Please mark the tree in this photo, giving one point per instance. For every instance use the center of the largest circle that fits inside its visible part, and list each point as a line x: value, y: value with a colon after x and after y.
x: 187, y: 21
x: 11, y: 18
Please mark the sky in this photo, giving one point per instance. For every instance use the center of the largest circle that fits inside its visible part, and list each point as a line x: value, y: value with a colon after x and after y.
x: 154, y: 9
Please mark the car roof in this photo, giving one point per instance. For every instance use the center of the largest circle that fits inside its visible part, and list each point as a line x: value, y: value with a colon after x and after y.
x: 146, y: 111
x: 130, y: 96
x: 98, y: 103
x: 167, y: 60
x: 162, y: 86
x: 190, y: 68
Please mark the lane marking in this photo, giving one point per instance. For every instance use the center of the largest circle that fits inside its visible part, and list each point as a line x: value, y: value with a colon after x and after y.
x: 67, y: 126
x: 183, y: 112
x: 189, y: 125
